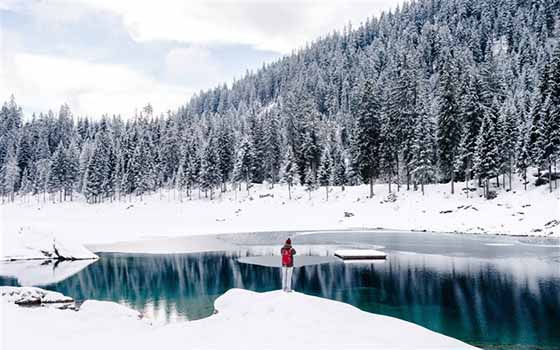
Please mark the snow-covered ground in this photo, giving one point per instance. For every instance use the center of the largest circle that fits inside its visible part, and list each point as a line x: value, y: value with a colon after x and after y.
x: 519, y: 212
x: 28, y: 243
x: 245, y: 320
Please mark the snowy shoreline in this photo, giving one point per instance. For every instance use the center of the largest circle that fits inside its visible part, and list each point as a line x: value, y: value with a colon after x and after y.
x: 248, y: 319
x: 534, y: 212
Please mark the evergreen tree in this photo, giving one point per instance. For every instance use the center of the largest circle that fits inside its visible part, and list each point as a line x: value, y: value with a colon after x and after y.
x: 339, y: 167
x: 72, y: 169
x: 209, y: 172
x: 273, y: 147
x: 290, y: 171
x: 225, y: 155
x: 242, y: 170
x: 367, y: 140
x: 326, y: 171
x: 310, y: 181
x: 10, y: 176
x: 449, y: 127
x: 523, y: 158
x: 423, y: 168
x: 471, y: 109
x: 57, y: 173
x: 486, y: 156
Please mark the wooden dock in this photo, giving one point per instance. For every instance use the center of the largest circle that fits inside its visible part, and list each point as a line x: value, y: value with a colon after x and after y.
x: 360, y: 254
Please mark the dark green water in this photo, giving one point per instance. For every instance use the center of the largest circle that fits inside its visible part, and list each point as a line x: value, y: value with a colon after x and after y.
x: 488, y: 305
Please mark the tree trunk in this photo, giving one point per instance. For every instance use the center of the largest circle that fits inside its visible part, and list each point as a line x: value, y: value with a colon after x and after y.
x: 407, y: 179
x: 498, y: 181
x: 398, y: 175
x: 247, y: 184
x: 556, y: 177
x: 389, y: 184
x: 467, y: 173
x: 550, y: 174
x: 452, y: 182
x: 422, y: 186
x: 525, y: 178
x: 371, y: 187
x: 289, y: 191
x: 327, y: 187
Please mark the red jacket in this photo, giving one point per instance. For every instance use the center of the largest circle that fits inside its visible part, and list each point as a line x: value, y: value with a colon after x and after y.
x: 287, y: 255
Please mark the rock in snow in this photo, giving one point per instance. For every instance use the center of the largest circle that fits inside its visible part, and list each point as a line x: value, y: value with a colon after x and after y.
x: 244, y: 320
x: 32, y: 296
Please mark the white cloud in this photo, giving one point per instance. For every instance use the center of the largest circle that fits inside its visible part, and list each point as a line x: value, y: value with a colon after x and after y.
x: 194, y: 65
x: 275, y: 25
x: 43, y: 81
x: 38, y: 81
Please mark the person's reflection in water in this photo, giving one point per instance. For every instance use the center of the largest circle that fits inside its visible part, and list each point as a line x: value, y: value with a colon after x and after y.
x: 287, y: 265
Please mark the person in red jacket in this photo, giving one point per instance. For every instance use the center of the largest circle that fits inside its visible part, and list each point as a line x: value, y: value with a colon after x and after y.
x: 287, y: 265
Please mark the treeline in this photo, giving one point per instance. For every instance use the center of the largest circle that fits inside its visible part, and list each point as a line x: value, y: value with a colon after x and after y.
x: 436, y: 91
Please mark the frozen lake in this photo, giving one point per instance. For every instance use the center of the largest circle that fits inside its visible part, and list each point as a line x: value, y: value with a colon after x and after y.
x: 492, y: 292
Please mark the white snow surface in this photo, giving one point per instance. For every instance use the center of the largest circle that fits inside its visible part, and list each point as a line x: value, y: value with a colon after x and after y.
x: 26, y: 242
x: 533, y: 212
x: 245, y: 320
x: 359, y: 253
x: 41, y: 272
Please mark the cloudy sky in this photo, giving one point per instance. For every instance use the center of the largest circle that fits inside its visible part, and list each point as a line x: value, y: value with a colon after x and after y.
x: 115, y: 56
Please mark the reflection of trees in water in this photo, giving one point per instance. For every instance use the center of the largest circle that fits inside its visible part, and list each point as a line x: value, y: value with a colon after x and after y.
x: 474, y: 302
x: 477, y: 302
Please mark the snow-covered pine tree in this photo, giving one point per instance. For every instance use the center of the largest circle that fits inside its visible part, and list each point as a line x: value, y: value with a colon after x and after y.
x: 509, y: 139
x: 550, y: 116
x: 225, y: 149
x: 57, y: 173
x: 422, y: 164
x: 256, y: 139
x: 368, y: 136
x: 10, y: 176
x: 471, y: 110
x: 26, y: 183
x: 310, y: 181
x: 290, y: 171
x: 339, y: 166
x: 72, y: 169
x: 142, y: 171
x: 272, y: 147
x: 522, y: 162
x: 242, y: 171
x: 486, y: 155
x: 209, y: 171
x: 192, y: 164
x: 310, y: 142
x: 449, y: 126
x: 388, y: 148
x: 325, y: 175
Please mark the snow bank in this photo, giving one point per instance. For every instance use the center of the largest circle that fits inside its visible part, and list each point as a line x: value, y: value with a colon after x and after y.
x: 25, y: 243
x: 245, y: 320
x: 42, y: 272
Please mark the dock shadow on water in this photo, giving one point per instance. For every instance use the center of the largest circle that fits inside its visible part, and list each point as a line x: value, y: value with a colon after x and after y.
x: 498, y: 304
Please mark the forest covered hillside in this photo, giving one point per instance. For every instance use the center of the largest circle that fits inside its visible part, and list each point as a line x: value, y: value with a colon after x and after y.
x: 434, y: 91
